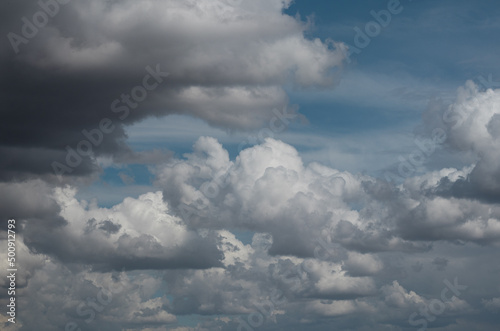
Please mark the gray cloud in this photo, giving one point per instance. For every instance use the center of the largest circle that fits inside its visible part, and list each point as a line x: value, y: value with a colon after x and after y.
x: 225, y: 66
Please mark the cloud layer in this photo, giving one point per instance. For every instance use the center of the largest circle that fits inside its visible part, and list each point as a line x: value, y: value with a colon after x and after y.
x: 326, y: 244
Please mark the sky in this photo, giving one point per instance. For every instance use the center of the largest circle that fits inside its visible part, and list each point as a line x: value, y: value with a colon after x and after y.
x: 250, y: 165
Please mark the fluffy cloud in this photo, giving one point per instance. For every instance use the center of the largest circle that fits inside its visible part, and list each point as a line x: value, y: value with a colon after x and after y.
x: 266, y: 189
x: 492, y: 304
x: 135, y: 234
x: 396, y: 296
x: 472, y: 125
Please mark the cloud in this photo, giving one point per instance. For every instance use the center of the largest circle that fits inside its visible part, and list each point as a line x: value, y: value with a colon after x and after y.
x: 362, y: 264
x: 397, y: 296
x: 218, y: 61
x: 471, y: 125
x: 266, y: 189
x: 493, y: 304
x: 136, y: 234
x: 59, y: 298
x: 269, y: 189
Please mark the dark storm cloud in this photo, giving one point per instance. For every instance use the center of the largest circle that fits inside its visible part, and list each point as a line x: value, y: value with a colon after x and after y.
x: 125, y: 61
x: 21, y: 163
x: 45, y: 113
x: 29, y: 202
